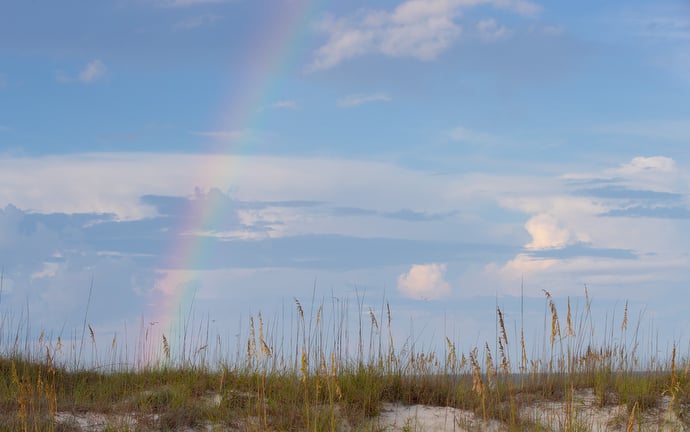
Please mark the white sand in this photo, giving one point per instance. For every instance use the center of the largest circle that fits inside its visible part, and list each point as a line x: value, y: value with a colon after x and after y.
x: 582, y: 414
x: 396, y: 417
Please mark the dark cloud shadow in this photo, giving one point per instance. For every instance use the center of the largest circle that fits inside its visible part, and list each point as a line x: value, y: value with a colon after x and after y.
x: 582, y: 250
x: 624, y: 193
x: 650, y: 212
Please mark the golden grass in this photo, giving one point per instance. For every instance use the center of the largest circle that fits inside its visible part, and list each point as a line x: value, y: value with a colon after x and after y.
x: 321, y: 378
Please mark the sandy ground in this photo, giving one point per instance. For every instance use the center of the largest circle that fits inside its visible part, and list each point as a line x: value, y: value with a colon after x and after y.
x: 395, y: 417
x: 583, y: 413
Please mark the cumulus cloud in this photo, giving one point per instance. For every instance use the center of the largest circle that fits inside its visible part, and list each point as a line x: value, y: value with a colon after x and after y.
x: 359, y: 99
x: 420, y: 29
x: 94, y: 71
x: 574, y: 238
x: 424, y: 281
x: 546, y: 232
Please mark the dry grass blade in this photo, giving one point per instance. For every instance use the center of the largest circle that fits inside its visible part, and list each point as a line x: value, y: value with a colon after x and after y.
x: 501, y: 325
x: 299, y: 308
x: 477, y: 382
x: 451, y: 358
x: 374, y: 323
x: 166, y: 348
x: 555, y: 325
x: 631, y: 419
x: 624, y: 324
x: 568, y: 321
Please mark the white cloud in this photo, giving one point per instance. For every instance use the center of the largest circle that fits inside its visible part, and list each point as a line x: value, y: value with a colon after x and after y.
x: 545, y: 214
x: 359, y: 99
x: 84, y: 183
x: 424, y: 281
x: 546, y: 232
x: 49, y: 270
x: 490, y: 31
x: 553, y: 215
x: 421, y: 29
x: 94, y: 71
x: 644, y: 164
x: 560, y: 219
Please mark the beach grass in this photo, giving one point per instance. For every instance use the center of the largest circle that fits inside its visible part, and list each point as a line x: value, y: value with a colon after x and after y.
x: 332, y: 373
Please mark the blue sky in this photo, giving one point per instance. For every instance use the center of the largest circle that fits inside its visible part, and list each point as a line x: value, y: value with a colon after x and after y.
x: 435, y: 152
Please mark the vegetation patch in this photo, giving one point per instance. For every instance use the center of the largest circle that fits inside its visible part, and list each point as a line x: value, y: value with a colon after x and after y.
x: 318, y: 383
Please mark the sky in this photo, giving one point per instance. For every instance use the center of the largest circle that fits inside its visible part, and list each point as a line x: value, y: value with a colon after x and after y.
x: 229, y: 156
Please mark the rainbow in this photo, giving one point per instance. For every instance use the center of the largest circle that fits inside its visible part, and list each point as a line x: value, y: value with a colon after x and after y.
x: 272, y: 54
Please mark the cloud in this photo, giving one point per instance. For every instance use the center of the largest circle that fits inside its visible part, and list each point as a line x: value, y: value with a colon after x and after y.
x: 424, y: 281
x: 547, y: 232
x: 658, y: 212
x: 3, y: 81
x: 124, y: 217
x: 359, y: 99
x: 644, y: 201
x: 94, y: 71
x: 419, y: 29
x: 415, y: 216
x: 656, y: 163
x: 626, y: 193
x: 580, y: 249
x: 490, y: 31
x: 57, y: 184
